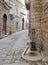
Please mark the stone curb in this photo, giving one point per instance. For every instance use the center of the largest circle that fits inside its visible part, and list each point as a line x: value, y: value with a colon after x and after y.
x: 4, y: 36
x: 23, y: 54
x: 28, y: 60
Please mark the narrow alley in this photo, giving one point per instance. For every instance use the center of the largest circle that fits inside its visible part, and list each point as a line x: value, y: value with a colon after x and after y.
x: 11, y: 49
x: 23, y: 32
x: 12, y: 46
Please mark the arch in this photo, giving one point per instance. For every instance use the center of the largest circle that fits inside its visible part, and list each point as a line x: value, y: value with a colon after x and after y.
x: 22, y: 23
x: 4, y: 23
x: 5, y: 16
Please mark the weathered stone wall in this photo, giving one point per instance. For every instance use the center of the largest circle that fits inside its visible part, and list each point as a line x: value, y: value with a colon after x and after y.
x: 44, y: 28
x: 19, y: 12
x: 4, y: 9
x: 39, y: 21
x: 1, y: 20
x: 13, y: 25
x: 36, y: 8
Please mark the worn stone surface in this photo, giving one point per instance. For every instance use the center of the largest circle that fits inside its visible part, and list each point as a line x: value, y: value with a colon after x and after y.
x: 12, y: 47
x: 44, y: 28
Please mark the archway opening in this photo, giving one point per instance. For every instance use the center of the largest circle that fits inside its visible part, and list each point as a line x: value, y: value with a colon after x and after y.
x: 4, y: 23
x: 22, y: 23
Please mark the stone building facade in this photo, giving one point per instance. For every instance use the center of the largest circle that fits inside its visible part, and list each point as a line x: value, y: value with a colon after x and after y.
x: 4, y: 18
x: 36, y: 18
x: 13, y: 16
x: 19, y: 12
x: 38, y: 14
x: 44, y: 28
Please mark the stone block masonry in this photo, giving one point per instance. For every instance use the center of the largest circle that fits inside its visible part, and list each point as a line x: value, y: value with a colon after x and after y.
x: 36, y: 8
x: 44, y: 28
x: 38, y: 14
x: 4, y: 9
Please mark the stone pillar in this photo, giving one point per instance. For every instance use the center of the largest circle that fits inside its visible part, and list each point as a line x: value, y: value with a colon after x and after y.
x: 36, y: 8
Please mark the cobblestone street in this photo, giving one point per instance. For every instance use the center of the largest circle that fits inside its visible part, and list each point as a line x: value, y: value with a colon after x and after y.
x: 11, y: 48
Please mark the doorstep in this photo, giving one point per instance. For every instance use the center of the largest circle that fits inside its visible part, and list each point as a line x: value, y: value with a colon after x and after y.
x: 4, y: 36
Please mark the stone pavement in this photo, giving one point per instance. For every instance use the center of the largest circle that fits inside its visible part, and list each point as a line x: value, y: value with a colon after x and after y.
x: 12, y: 47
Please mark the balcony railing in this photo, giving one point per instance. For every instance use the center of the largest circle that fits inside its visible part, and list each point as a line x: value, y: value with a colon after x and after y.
x: 27, y: 3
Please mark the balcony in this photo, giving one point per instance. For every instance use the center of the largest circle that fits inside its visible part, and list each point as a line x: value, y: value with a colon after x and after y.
x: 27, y: 3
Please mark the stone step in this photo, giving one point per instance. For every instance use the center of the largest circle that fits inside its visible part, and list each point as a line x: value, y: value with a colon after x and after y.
x: 27, y: 64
